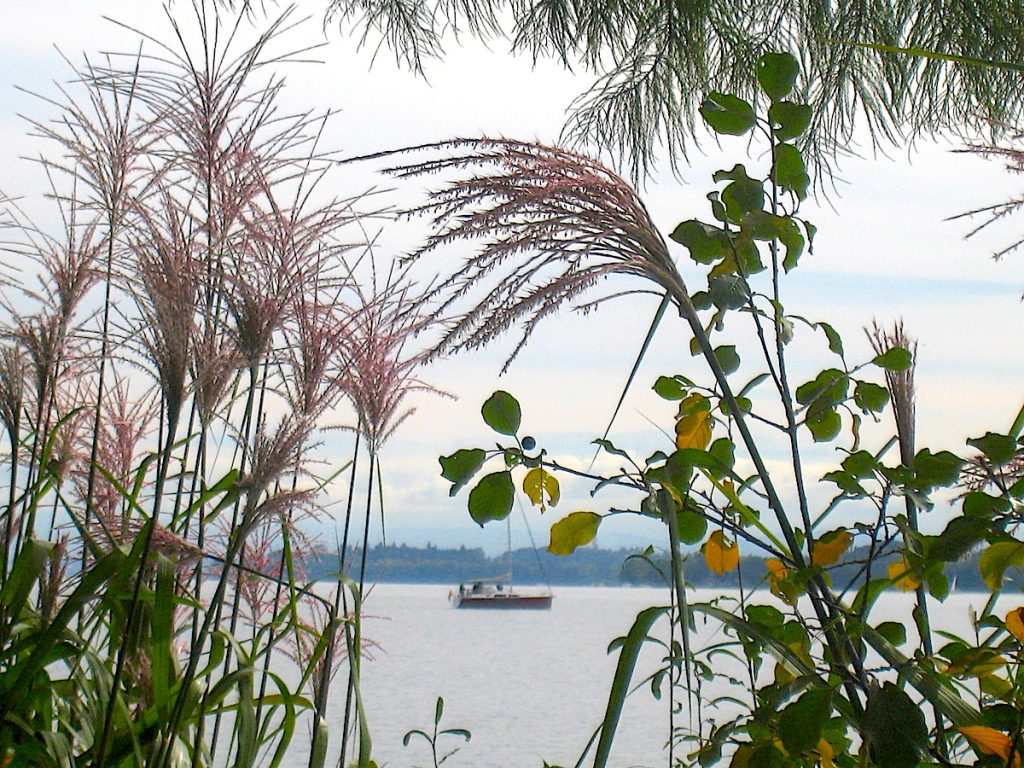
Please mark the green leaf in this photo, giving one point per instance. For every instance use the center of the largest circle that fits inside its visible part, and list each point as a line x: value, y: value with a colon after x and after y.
x: 860, y: 464
x: 460, y: 467
x: 669, y: 388
x: 895, y: 359
x: 998, y: 449
x: 691, y: 526
x: 794, y: 242
x: 893, y: 632
x: 492, y: 498
x: 827, y: 390
x: 501, y: 413
x: 727, y: 114
x: 835, y: 341
x: 706, y: 244
x: 744, y: 195
x: 894, y: 728
x: 540, y: 483
x: 933, y: 470
x: 790, y: 171
x: 728, y: 291
x: 727, y: 358
x: 995, y: 560
x: 788, y: 119
x: 870, y: 397
x: 801, y: 723
x: 824, y: 426
x: 575, y: 530
x: 959, y: 537
x: 777, y: 72
x: 982, y: 505
x: 724, y: 452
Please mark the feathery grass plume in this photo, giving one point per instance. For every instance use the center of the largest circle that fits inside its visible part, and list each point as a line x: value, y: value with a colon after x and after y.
x: 165, y: 258
x: 126, y: 424
x: 214, y: 362
x: 381, y: 368
x: 317, y: 355
x: 900, y: 384
x: 13, y: 373
x: 273, y: 456
x: 553, y: 223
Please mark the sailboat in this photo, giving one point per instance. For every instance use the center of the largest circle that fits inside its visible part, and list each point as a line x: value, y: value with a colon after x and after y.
x: 497, y: 592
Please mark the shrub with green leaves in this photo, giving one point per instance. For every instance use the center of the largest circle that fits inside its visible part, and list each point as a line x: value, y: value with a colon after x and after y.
x: 820, y: 681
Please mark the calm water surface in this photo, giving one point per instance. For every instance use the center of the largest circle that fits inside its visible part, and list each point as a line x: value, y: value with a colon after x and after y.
x: 530, y: 685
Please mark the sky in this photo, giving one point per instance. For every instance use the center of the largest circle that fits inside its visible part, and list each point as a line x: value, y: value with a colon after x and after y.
x: 886, y: 250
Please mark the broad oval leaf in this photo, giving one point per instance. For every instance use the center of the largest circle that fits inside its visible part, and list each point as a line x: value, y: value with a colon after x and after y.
x: 492, y: 498
x: 997, y: 558
x: 502, y: 413
x: 999, y: 449
x: 541, y: 487
x: 694, y: 431
x: 727, y: 114
x: 690, y: 526
x: 791, y: 171
x: 777, y: 73
x: 894, y: 359
x: 706, y: 244
x: 894, y: 728
x: 788, y: 119
x: 728, y: 358
x: 575, y: 530
x: 903, y: 576
x: 721, y: 554
x: 870, y: 397
x: 1015, y: 623
x: 460, y: 467
x: 801, y: 723
x: 830, y: 547
x: 989, y: 741
x: 824, y: 426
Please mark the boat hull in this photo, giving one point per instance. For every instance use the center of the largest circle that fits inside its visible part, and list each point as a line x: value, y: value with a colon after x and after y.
x: 503, y: 602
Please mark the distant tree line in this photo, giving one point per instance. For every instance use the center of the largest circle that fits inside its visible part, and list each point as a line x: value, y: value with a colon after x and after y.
x: 587, y: 567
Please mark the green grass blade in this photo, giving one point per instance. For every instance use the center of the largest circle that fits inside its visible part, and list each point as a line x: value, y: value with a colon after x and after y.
x: 628, y: 655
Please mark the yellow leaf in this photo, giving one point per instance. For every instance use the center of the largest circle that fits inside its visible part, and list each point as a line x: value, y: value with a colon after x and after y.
x: 539, y: 484
x: 830, y: 547
x: 975, y: 662
x: 575, y: 530
x: 777, y: 575
x: 1015, y: 623
x: 694, y: 431
x: 720, y: 554
x: 989, y: 741
x: 693, y: 423
x: 902, y: 577
x: 825, y: 754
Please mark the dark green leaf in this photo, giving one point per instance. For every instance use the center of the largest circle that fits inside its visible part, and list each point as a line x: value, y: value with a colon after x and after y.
x: 460, y: 467
x: 743, y: 195
x: 824, y: 426
x: 728, y: 291
x: 894, y: 728
x: 959, y: 537
x: 788, y: 119
x: 501, y: 413
x: 981, y: 504
x: 727, y: 114
x: 933, y: 470
x: 893, y: 632
x: 998, y: 449
x: 827, y: 390
x: 794, y: 243
x: 777, y: 72
x: 727, y: 358
x: 895, y: 359
x: 835, y: 341
x: 724, y: 452
x: 997, y: 558
x: 706, y: 244
x: 801, y: 723
x: 492, y: 498
x: 790, y: 170
x: 669, y: 388
x: 870, y: 397
x: 846, y: 482
x: 860, y: 464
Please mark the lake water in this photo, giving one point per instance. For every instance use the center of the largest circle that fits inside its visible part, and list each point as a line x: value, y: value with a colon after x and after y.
x: 530, y: 685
